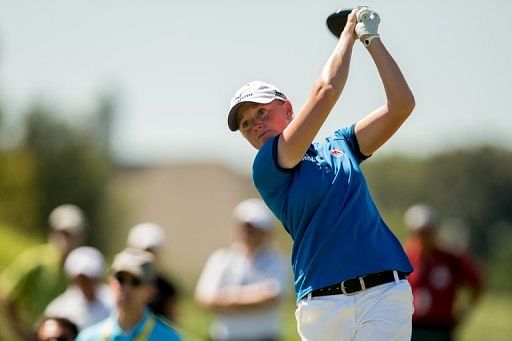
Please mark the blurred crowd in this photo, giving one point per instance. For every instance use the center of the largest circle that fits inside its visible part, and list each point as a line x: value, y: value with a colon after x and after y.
x: 59, y: 291
x: 63, y: 290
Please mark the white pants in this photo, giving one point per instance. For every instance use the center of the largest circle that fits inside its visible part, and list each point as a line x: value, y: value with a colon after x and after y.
x: 383, y: 313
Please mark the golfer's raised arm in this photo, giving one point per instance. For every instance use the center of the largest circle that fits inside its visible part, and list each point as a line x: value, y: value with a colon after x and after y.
x: 376, y: 128
x: 298, y: 135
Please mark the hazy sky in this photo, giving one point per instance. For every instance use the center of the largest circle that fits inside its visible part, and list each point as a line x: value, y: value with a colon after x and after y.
x: 175, y: 65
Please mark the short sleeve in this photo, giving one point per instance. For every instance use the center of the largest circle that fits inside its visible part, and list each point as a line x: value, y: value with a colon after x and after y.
x: 349, y: 135
x: 210, y: 280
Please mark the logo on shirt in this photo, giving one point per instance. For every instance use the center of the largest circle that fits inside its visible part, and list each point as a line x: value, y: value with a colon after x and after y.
x: 336, y: 153
x: 308, y: 158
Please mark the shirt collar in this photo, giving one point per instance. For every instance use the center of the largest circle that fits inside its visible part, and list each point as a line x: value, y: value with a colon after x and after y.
x: 117, y: 330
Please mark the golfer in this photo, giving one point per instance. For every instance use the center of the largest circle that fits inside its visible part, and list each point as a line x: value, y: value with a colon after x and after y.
x: 350, y: 270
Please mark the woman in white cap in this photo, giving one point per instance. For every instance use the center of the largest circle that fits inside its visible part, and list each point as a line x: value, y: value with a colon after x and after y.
x: 341, y: 245
x: 87, y: 300
x: 244, y: 283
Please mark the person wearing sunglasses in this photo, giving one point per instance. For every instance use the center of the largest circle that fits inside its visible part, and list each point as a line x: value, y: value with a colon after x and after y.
x: 132, y: 281
x: 152, y: 237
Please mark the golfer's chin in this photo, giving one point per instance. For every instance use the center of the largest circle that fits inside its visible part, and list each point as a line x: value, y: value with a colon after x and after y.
x: 263, y: 139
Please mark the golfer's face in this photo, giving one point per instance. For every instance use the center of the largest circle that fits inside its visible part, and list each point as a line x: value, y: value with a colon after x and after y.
x: 260, y: 122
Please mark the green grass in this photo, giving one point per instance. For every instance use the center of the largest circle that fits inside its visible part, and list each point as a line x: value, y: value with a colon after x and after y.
x: 490, y: 321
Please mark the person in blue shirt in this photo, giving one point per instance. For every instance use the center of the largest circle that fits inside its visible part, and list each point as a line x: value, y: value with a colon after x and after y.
x: 350, y: 270
x: 133, y: 285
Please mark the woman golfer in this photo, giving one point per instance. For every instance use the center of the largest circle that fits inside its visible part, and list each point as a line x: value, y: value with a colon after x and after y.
x: 350, y: 270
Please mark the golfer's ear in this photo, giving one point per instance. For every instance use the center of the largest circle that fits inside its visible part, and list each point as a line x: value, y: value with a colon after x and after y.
x: 288, y: 109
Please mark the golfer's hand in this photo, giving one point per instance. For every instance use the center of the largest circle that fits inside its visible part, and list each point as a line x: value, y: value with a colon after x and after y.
x: 367, y: 24
x: 350, y: 26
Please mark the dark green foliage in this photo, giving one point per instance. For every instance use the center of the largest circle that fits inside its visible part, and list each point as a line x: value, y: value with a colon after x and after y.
x: 71, y: 166
x: 19, y: 190
x: 58, y: 162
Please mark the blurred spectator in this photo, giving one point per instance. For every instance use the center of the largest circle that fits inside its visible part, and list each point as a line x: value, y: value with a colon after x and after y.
x: 438, y: 276
x: 37, y: 275
x: 87, y: 300
x: 151, y: 237
x: 132, y: 281
x: 56, y: 329
x: 244, y: 283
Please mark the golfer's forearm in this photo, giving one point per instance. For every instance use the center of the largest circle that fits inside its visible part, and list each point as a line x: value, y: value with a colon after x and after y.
x: 334, y: 74
x: 400, y: 99
x: 299, y: 134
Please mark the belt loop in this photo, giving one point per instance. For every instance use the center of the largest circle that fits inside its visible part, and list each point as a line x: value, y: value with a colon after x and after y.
x: 395, y: 274
x: 310, y: 295
x: 361, y: 281
x: 343, y: 291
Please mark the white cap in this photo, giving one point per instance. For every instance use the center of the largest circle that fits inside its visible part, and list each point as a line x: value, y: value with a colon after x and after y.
x: 137, y: 262
x: 86, y: 261
x: 420, y: 216
x: 68, y: 218
x: 146, y: 236
x: 256, y: 92
x: 254, y: 212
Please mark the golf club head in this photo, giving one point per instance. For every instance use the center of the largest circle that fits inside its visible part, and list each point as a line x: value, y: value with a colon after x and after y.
x: 337, y: 20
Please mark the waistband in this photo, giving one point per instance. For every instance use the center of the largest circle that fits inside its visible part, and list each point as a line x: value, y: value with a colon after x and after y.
x: 354, y: 285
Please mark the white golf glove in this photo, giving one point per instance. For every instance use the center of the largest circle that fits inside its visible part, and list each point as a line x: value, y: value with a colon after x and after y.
x: 367, y: 25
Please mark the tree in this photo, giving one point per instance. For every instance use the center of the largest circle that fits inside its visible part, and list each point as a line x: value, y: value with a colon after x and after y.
x: 71, y: 166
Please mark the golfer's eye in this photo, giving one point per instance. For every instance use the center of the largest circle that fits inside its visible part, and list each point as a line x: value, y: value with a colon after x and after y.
x: 262, y: 112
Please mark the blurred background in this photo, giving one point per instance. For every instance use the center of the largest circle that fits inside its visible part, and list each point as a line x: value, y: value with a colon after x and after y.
x: 120, y: 108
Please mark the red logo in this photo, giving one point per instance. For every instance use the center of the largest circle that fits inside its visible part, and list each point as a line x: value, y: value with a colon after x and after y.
x: 336, y: 152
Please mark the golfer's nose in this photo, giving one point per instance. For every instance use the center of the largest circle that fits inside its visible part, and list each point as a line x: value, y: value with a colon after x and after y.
x: 256, y: 125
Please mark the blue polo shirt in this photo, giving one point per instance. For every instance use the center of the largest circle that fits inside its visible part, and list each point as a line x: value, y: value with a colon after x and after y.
x: 325, y: 205
x: 109, y: 329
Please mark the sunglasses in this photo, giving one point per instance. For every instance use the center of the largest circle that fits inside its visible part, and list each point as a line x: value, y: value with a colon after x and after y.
x: 129, y: 280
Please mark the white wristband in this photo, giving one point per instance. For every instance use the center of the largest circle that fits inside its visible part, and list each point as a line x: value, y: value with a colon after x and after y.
x: 369, y: 39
